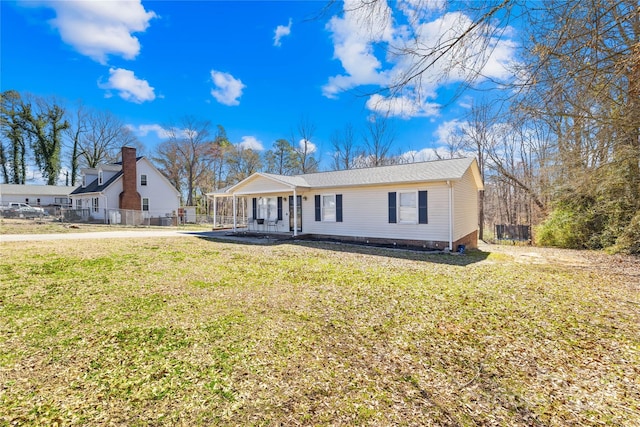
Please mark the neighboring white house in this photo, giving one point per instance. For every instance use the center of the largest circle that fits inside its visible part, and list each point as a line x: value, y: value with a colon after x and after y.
x: 429, y: 204
x: 132, y: 188
x: 36, y: 195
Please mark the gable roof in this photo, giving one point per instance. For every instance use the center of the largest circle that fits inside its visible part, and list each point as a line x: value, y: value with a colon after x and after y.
x: 93, y: 186
x: 431, y: 171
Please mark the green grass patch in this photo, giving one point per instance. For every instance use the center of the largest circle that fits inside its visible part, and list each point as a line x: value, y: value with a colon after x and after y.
x: 193, y: 331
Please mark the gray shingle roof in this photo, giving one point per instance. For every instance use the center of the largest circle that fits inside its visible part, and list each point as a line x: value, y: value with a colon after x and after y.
x: 36, y: 190
x: 439, y: 170
x: 93, y: 186
x: 432, y: 171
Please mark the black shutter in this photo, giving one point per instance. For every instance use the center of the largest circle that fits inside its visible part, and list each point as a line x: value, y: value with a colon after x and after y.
x: 318, y: 215
x: 279, y: 208
x: 392, y: 207
x: 338, y: 207
x: 255, y: 208
x: 422, y: 207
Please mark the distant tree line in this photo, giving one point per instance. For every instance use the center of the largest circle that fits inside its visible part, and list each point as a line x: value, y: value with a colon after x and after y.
x: 43, y: 131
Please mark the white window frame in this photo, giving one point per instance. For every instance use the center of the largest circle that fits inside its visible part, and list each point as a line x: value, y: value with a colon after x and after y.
x: 100, y: 177
x: 267, y: 208
x: 406, y: 210
x: 328, y: 213
x: 143, y: 204
x: 95, y: 204
x: 143, y: 179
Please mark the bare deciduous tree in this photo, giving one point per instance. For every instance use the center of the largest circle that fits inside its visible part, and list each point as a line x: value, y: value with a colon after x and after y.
x: 103, y: 134
x: 188, y: 153
x: 242, y: 163
x: 305, y: 149
x: 345, y: 150
x: 378, y: 140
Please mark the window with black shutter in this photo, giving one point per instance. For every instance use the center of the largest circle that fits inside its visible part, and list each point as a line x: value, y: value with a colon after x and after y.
x: 422, y: 207
x: 392, y: 207
x: 318, y: 211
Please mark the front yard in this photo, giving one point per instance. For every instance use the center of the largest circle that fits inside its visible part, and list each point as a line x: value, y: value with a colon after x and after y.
x: 188, y: 331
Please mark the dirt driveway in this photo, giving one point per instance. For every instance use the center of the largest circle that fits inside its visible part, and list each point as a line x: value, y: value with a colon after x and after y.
x: 625, y: 266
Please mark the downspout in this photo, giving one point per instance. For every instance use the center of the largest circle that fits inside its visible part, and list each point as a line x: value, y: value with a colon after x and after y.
x: 450, y: 215
x: 295, y: 213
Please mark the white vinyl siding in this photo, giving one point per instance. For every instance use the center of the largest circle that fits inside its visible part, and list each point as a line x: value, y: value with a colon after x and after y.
x: 366, y: 214
x: 465, y: 200
x: 166, y: 200
x: 263, y: 185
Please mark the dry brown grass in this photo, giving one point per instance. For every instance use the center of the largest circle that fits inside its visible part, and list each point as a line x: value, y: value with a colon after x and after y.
x: 186, y: 331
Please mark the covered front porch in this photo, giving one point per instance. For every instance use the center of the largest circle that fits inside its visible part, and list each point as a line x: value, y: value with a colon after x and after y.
x: 276, y: 213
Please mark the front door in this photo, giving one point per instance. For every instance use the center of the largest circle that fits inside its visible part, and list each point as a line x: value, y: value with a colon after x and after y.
x: 299, y: 213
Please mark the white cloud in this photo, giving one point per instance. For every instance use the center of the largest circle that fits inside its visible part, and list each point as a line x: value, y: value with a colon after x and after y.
x: 281, y: 31
x: 227, y: 89
x: 372, y: 46
x: 129, y: 87
x: 447, y: 130
x: 402, y: 106
x: 101, y: 28
x: 352, y: 37
x: 250, y: 142
x: 310, y: 146
x: 144, y: 130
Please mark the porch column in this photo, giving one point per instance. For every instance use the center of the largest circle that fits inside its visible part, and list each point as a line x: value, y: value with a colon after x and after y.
x: 215, y: 212
x: 234, y: 213
x: 295, y: 213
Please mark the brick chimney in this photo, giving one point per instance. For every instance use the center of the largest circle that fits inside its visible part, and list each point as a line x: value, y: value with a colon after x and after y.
x: 129, y: 198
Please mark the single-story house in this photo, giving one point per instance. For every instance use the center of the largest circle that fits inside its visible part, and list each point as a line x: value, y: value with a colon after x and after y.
x: 36, y: 195
x: 132, y: 191
x: 429, y: 204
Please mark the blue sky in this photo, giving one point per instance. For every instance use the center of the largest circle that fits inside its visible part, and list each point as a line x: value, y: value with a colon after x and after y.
x: 255, y: 67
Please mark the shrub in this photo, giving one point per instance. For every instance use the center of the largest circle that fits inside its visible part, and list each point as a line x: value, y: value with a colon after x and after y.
x: 564, y: 228
x: 629, y: 240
